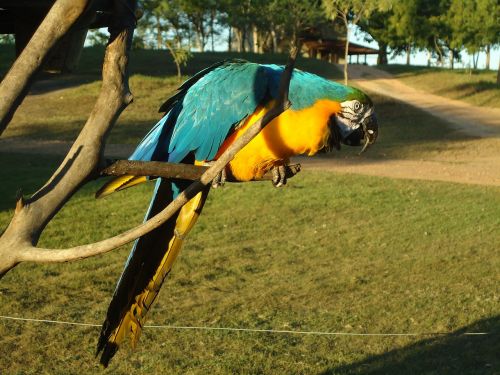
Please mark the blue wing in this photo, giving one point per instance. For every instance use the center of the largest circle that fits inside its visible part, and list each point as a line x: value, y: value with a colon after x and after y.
x: 204, y: 111
x: 206, y: 108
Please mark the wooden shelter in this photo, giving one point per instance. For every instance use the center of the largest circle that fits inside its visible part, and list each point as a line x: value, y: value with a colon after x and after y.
x: 334, y: 50
x: 327, y: 42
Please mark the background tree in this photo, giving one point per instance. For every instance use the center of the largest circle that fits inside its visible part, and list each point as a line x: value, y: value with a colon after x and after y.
x: 377, y: 28
x: 475, y: 26
x: 351, y: 12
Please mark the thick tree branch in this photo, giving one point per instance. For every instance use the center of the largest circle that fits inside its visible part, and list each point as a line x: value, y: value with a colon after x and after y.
x: 82, y: 162
x: 14, y: 87
x: 30, y: 253
x: 175, y: 170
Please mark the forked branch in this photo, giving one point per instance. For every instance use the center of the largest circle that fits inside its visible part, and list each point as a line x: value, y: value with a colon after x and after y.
x: 83, y: 161
x: 28, y: 252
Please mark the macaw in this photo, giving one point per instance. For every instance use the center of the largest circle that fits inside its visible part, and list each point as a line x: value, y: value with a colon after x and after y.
x: 203, y: 117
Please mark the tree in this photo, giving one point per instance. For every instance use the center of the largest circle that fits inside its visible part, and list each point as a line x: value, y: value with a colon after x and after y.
x: 180, y: 55
x: 377, y: 27
x: 299, y: 15
x: 351, y: 11
x: 474, y: 25
x: 198, y: 13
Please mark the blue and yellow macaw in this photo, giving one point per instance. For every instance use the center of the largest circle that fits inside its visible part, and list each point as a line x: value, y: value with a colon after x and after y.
x: 203, y: 117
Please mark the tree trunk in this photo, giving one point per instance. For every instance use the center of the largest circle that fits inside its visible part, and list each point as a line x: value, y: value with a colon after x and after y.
x: 429, y: 55
x: 255, y: 39
x: 237, y: 34
x: 346, y: 54
x: 498, y: 73
x: 159, y: 36
x: 274, y: 39
x: 198, y: 40
x: 230, y: 40
x: 382, y: 54
x: 243, y: 46
x: 212, y: 31
x: 452, y: 59
x: 488, y: 55
x: 408, y: 54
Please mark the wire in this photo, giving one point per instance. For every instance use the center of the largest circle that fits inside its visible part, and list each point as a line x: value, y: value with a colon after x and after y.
x: 256, y: 330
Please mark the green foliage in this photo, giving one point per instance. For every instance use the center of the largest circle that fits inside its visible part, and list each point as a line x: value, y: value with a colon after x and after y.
x: 474, y: 24
x: 441, y: 27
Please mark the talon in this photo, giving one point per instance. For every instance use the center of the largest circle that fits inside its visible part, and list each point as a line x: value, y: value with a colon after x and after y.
x: 220, y: 179
x: 279, y: 175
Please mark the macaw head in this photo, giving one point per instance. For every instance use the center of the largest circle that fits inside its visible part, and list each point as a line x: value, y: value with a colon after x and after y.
x: 355, y: 124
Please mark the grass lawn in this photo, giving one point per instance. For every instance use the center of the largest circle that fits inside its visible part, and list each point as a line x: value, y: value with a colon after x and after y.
x: 478, y: 87
x: 328, y: 252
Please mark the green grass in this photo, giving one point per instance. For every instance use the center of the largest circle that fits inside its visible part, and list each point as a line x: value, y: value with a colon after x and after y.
x: 329, y: 252
x: 477, y: 87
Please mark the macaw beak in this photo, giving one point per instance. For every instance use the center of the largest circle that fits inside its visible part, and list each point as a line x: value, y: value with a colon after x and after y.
x: 365, y: 135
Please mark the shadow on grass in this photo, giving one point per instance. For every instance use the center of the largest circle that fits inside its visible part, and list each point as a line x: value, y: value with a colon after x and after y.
x: 445, y: 355
x: 470, y: 88
x: 415, y: 70
x: 23, y: 172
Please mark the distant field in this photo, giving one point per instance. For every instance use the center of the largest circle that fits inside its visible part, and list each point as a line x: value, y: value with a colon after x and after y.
x: 327, y: 253
x: 478, y: 87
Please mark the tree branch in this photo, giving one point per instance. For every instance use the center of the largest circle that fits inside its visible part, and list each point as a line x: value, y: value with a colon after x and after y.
x: 14, y: 87
x: 34, y: 254
x: 82, y: 162
x: 175, y: 170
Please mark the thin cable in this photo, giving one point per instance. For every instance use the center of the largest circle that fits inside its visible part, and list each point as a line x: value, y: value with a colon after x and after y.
x: 316, y: 333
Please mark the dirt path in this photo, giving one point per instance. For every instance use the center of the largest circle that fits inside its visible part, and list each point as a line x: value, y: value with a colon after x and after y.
x: 479, y: 122
x: 473, y: 120
x: 484, y: 171
x: 479, y: 171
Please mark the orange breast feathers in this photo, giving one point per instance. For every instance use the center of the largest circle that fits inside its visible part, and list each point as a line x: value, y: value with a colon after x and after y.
x: 294, y: 132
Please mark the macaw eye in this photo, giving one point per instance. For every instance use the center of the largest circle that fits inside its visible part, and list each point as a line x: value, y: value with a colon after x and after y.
x: 357, y: 106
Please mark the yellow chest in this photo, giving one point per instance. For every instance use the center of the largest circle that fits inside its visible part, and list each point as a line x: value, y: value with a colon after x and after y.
x: 292, y: 133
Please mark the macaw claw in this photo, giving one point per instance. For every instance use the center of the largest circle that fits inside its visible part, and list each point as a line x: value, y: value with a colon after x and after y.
x: 279, y: 175
x: 220, y: 179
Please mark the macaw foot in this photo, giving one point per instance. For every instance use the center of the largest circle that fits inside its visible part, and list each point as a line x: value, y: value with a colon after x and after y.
x: 279, y: 175
x: 220, y: 179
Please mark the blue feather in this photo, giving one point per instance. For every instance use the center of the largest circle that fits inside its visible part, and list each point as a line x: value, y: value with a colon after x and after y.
x: 208, y: 106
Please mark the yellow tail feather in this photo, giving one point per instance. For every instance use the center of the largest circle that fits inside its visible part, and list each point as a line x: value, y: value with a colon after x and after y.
x: 119, y: 183
x: 134, y: 319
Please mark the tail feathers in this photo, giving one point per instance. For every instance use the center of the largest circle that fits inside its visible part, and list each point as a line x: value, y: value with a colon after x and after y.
x: 119, y: 183
x: 147, y: 268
